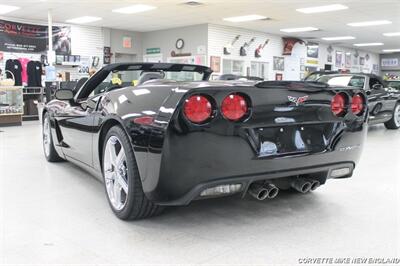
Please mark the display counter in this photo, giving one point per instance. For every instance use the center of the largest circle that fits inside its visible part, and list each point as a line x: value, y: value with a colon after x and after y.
x: 11, y: 105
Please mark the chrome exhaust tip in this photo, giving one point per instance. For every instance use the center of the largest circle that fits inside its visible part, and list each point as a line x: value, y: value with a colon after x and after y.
x: 302, y: 185
x: 258, y: 191
x: 273, y: 191
x: 314, y: 185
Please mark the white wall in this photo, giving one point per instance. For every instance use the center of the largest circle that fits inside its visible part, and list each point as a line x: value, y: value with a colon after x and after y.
x: 219, y: 36
x: 193, y: 37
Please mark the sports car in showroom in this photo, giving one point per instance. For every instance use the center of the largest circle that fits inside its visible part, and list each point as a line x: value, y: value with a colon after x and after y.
x: 383, y: 101
x: 162, y: 134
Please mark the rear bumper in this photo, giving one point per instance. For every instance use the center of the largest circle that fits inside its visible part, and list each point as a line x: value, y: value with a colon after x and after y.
x: 283, y: 178
x: 190, y: 163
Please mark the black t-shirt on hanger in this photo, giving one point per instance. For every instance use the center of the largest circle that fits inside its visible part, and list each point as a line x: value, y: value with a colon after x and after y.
x: 34, y: 70
x: 14, y: 66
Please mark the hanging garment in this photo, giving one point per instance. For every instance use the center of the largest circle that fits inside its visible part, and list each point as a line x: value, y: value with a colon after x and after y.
x: 15, y: 67
x: 34, y: 70
x: 24, y: 63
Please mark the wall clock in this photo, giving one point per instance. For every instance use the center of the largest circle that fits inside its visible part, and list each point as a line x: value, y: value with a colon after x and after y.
x: 179, y: 44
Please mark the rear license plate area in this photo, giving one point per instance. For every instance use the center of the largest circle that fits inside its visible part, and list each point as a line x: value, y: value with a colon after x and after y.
x: 296, y: 139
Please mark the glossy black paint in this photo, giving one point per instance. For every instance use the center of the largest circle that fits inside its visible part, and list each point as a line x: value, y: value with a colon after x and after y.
x: 178, y: 159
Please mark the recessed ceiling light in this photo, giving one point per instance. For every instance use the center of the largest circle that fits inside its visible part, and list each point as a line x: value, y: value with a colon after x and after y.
x: 369, y: 23
x: 245, y: 18
x: 320, y: 9
x: 368, y: 44
x: 84, y: 19
x: 391, y: 50
x: 391, y: 34
x: 4, y: 9
x: 338, y: 38
x: 304, y: 29
x: 134, y: 9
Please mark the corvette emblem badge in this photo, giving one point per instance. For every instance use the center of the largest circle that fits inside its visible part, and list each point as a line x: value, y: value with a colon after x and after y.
x: 297, y: 100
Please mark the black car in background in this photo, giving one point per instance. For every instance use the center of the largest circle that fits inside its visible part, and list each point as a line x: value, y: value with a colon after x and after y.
x: 394, y: 84
x: 175, y: 136
x: 383, y: 101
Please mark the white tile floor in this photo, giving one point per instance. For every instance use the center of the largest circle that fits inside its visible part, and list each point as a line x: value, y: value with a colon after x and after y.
x: 56, y: 213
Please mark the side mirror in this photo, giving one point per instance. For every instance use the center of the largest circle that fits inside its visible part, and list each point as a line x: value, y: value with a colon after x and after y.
x: 377, y: 86
x: 64, y: 95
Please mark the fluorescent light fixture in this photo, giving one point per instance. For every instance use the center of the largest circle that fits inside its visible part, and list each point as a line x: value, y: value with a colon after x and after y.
x: 369, y: 23
x: 320, y: 9
x: 245, y: 18
x: 391, y: 50
x: 134, y: 9
x: 4, y: 9
x: 391, y: 34
x: 83, y: 20
x: 304, y: 29
x: 339, y: 38
x: 368, y: 44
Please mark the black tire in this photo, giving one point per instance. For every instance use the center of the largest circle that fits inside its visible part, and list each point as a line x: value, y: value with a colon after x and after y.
x: 51, y: 154
x: 392, y: 124
x: 137, y: 205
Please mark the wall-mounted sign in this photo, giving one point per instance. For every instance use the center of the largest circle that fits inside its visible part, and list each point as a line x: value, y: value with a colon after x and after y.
x: 338, y: 59
x: 153, y: 50
x: 288, y: 44
x: 127, y: 42
x: 390, y: 62
x: 215, y: 63
x: 312, y: 62
x: 312, y: 50
x: 30, y: 38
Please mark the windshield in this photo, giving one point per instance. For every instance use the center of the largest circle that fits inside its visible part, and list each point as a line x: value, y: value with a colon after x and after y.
x: 354, y: 81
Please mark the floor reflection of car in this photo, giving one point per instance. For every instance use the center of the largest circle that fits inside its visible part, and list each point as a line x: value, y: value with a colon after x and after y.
x: 383, y: 101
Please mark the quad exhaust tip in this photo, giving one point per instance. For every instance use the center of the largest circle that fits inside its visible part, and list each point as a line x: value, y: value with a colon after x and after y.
x: 262, y: 192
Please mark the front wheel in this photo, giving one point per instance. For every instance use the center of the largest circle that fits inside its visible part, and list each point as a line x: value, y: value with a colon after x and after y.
x: 394, y: 123
x: 121, y: 178
x: 48, y: 145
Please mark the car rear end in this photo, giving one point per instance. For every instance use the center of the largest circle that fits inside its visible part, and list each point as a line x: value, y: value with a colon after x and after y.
x: 233, y: 139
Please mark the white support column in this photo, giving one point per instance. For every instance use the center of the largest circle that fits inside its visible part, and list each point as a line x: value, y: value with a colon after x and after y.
x: 50, y: 36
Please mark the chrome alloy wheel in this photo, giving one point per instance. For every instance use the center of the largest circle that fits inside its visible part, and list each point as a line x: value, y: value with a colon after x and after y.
x: 115, y: 173
x: 397, y: 115
x: 46, y: 136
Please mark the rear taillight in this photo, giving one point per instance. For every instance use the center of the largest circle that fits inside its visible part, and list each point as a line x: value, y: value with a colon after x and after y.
x: 197, y: 109
x: 338, y: 104
x: 234, y: 107
x: 357, y: 104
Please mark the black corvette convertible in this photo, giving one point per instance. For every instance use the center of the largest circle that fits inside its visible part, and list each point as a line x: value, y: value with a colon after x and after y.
x: 162, y: 134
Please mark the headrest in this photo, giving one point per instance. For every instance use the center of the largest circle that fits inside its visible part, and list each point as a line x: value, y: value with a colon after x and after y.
x: 149, y: 76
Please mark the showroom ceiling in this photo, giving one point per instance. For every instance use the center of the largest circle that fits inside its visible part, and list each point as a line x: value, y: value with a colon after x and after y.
x: 282, y: 14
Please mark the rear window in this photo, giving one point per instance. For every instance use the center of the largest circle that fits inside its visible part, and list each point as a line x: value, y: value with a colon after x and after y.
x: 354, y: 81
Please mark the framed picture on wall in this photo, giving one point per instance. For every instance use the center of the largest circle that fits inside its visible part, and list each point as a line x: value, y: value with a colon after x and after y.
x: 362, y: 61
x: 329, y: 58
x: 215, y: 63
x: 278, y: 76
x: 312, y: 50
x: 279, y: 63
x: 347, y: 60
x: 338, y: 59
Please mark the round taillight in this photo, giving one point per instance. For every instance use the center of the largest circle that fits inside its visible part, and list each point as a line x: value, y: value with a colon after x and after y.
x: 357, y: 104
x: 338, y: 104
x: 234, y: 107
x: 197, y: 109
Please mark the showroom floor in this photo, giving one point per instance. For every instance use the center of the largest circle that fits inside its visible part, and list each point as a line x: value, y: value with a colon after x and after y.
x: 52, y: 213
